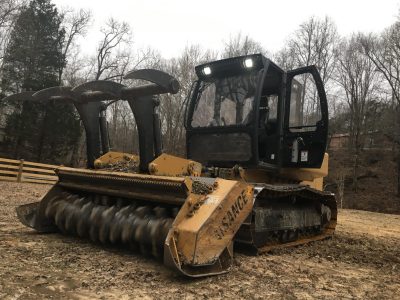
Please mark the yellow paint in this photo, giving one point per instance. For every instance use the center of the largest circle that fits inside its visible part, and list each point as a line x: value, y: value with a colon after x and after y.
x: 307, y: 174
x: 113, y: 157
x: 201, y: 238
x: 169, y: 165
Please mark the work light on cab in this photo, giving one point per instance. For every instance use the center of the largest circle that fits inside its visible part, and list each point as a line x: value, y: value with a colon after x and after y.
x: 248, y: 63
x: 207, y: 71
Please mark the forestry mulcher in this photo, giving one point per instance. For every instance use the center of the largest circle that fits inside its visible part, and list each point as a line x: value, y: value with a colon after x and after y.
x: 255, y: 141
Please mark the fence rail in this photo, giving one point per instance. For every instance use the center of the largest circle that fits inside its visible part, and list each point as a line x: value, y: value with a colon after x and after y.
x: 26, y: 171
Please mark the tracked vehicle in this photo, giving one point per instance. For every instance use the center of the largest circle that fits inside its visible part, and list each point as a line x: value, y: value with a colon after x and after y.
x: 256, y: 140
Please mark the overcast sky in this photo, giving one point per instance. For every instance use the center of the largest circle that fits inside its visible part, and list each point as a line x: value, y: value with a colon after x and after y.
x: 170, y: 25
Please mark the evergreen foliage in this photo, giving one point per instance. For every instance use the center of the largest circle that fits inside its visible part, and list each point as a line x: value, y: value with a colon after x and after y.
x: 41, y: 131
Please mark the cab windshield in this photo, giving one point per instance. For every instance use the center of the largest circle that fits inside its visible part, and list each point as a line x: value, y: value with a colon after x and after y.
x: 225, y: 101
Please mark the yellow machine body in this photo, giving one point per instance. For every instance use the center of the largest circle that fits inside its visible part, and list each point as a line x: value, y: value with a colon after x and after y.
x: 169, y: 165
x: 308, y: 176
x: 114, y: 158
x: 196, y: 240
x: 188, y: 214
x: 189, y: 220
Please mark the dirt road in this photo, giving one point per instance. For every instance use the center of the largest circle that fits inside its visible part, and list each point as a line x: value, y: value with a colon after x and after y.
x: 361, y: 261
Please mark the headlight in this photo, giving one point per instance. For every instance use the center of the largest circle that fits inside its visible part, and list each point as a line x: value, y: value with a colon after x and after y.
x: 248, y: 63
x: 206, y: 70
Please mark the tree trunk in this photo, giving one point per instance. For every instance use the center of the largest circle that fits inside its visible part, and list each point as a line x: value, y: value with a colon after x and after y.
x: 75, y: 156
x: 398, y: 172
x: 115, y: 122
x: 19, y: 132
x: 356, y: 156
x: 397, y: 139
x: 355, y: 173
x: 43, y: 132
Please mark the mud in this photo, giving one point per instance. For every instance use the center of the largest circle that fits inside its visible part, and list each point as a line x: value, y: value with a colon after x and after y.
x: 361, y: 261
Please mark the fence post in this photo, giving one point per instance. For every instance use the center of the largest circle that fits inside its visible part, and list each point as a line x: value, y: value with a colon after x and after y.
x: 21, y: 168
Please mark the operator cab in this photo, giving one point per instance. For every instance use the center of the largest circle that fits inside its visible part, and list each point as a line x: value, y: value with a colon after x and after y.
x: 247, y: 111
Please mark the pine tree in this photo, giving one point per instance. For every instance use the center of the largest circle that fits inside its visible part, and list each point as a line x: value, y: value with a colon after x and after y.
x: 35, y: 130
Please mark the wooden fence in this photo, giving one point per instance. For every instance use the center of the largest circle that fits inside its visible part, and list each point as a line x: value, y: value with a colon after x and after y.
x: 26, y: 171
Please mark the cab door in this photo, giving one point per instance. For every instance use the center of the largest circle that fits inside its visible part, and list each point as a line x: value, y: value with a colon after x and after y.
x: 305, y: 129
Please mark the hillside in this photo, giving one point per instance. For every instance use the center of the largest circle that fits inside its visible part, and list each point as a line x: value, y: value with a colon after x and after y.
x: 376, y: 184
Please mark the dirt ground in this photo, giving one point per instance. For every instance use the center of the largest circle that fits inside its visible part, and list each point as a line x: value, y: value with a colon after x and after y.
x: 362, y: 260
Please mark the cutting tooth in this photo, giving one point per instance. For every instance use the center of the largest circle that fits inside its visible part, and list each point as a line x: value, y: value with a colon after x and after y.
x: 165, y: 226
x: 51, y: 208
x: 119, y: 219
x: 107, y: 219
x: 60, y: 215
x: 82, y: 226
x: 128, y: 228
x: 95, y: 221
x: 154, y: 232
x: 132, y: 225
x: 142, y: 234
x: 160, y: 212
x: 71, y: 211
x: 61, y: 210
x: 143, y: 211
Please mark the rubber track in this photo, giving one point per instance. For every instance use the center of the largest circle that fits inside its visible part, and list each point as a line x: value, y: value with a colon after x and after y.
x: 268, y: 191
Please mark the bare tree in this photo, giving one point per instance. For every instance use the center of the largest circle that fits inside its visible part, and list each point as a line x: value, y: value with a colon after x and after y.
x: 241, y: 45
x: 120, y: 113
x: 286, y: 58
x: 312, y: 44
x: 358, y: 79
x: 75, y: 24
x: 384, y: 52
x: 111, y: 49
x: 340, y: 180
x: 78, y: 68
x: 8, y: 10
